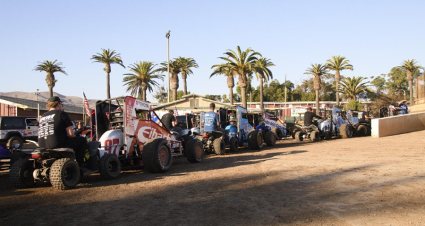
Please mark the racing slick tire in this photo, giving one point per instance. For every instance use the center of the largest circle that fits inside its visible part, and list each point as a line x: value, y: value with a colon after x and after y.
x: 15, y: 140
x: 110, y: 166
x: 328, y: 135
x: 346, y: 131
x: 233, y: 143
x: 255, y: 140
x: 298, y: 136
x: 194, y: 151
x: 363, y: 130
x: 156, y: 156
x: 219, y: 146
x: 314, y: 136
x: 270, y: 138
x: 278, y: 133
x: 294, y: 132
x: 21, y: 174
x: 64, y: 174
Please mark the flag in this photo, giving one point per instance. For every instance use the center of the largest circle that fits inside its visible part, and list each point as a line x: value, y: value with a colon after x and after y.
x: 86, y: 105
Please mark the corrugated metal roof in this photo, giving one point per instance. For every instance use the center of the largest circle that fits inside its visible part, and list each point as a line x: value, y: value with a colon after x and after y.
x: 31, y: 104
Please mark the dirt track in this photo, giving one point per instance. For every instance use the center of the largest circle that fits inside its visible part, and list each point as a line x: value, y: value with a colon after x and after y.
x: 359, y: 181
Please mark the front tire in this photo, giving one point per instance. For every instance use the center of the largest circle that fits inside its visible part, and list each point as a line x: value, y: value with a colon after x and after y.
x: 270, y: 138
x: 156, y: 156
x: 15, y: 140
x: 110, y: 166
x: 278, y: 133
x: 363, y: 130
x: 255, y: 140
x: 233, y: 144
x: 64, y: 174
x: 346, y: 131
x: 219, y: 146
x: 194, y: 151
x: 298, y: 136
x: 314, y: 136
x: 21, y: 174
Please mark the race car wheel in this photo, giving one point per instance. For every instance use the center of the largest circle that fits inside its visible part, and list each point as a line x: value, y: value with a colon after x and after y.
x: 294, y: 132
x: 110, y: 166
x: 278, y: 133
x: 194, y: 151
x: 21, y: 174
x: 219, y: 146
x: 15, y: 142
x: 363, y: 130
x: 270, y: 138
x: 346, y: 131
x: 233, y: 144
x: 328, y: 135
x: 255, y: 140
x: 156, y: 156
x: 298, y: 136
x: 314, y: 136
x: 64, y: 174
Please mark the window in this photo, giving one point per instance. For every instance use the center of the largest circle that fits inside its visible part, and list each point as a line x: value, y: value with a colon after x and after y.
x: 194, y: 103
x: 13, y: 123
x: 32, y: 122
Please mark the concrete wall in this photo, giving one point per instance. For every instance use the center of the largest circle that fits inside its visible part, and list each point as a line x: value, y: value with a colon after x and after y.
x: 382, y: 127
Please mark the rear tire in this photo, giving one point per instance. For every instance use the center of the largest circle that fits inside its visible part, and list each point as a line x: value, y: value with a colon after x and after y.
x: 64, y: 174
x: 346, y: 131
x: 21, y: 174
x: 156, y: 156
x: 294, y: 132
x: 194, y: 151
x: 219, y: 146
x: 314, y: 136
x: 363, y: 130
x: 15, y: 140
x: 233, y: 144
x: 110, y: 166
x: 278, y: 133
x: 328, y: 135
x: 255, y: 140
x: 298, y: 136
x: 270, y: 138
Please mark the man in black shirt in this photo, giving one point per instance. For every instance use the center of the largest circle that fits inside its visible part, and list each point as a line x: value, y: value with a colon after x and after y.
x: 168, y: 120
x: 308, y: 117
x: 364, y: 117
x: 56, y: 130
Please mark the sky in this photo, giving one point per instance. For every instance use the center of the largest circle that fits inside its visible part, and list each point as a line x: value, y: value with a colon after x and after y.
x: 374, y: 35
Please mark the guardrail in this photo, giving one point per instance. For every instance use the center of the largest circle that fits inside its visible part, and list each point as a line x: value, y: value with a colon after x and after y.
x: 382, y: 127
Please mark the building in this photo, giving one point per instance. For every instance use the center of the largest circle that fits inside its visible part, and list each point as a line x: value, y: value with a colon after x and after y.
x: 191, y: 103
x: 11, y: 106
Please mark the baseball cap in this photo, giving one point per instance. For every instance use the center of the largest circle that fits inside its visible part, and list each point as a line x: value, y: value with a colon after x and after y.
x: 54, y: 99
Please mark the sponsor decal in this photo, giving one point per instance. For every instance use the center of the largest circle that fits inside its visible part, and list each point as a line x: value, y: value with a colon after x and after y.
x: 145, y: 132
x: 273, y: 124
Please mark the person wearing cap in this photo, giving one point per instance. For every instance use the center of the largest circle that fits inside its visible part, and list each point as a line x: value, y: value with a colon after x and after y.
x: 210, y: 120
x: 56, y: 131
x: 308, y: 117
x: 363, y: 115
x: 169, y: 120
x: 404, y: 106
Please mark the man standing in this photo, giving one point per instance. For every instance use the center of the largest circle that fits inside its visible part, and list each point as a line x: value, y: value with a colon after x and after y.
x: 56, y: 131
x: 168, y: 120
x: 211, y: 120
x: 308, y: 117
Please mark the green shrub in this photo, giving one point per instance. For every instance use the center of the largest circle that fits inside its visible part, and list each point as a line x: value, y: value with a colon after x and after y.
x: 353, y: 105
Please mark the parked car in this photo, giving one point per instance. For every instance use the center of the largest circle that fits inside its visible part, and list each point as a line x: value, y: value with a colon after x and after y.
x: 14, y: 130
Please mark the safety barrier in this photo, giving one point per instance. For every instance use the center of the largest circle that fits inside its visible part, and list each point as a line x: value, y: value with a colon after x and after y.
x: 382, y: 127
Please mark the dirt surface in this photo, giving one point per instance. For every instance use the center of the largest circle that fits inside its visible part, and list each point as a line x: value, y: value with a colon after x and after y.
x: 358, y: 181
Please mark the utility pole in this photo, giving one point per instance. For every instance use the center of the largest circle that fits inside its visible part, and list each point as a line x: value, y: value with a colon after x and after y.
x: 38, y: 105
x: 284, y: 106
x: 168, y: 64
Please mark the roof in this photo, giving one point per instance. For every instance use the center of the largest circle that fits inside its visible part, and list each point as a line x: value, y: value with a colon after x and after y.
x: 31, y: 104
x: 184, y: 98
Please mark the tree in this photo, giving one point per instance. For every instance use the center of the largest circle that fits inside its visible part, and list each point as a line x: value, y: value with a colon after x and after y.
x: 185, y: 69
x: 160, y: 94
x: 410, y: 66
x: 352, y: 87
x: 108, y: 57
x: 142, y: 79
x: 263, y: 73
x: 242, y: 64
x: 50, y: 67
x: 354, y: 105
x: 379, y: 83
x: 317, y: 70
x: 226, y: 70
x: 337, y: 64
x: 175, y: 69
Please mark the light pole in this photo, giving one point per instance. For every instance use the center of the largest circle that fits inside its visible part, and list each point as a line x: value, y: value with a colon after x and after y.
x: 168, y: 64
x: 38, y: 104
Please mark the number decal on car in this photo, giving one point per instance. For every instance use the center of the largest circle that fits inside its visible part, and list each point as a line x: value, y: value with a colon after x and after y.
x: 111, y: 146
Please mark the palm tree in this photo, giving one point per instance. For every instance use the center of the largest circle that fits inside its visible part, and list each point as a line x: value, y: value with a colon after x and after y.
x: 410, y: 66
x: 317, y: 70
x: 337, y: 64
x: 242, y: 64
x: 225, y: 69
x: 108, y: 57
x: 352, y: 87
x: 185, y: 69
x: 263, y: 73
x: 142, y: 79
x: 175, y: 69
x: 50, y: 67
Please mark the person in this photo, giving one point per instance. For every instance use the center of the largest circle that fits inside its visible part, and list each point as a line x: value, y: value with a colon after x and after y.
x: 210, y: 120
x: 404, y: 106
x: 169, y: 120
x: 364, y: 117
x: 79, y: 129
x: 308, y: 117
x: 56, y: 131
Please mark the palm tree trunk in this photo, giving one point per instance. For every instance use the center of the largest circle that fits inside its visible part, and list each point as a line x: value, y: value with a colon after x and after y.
x: 411, y: 92
x: 230, y: 84
x: 184, y: 83
x: 144, y: 93
x: 50, y: 80
x: 50, y: 91
x: 108, y: 88
x: 231, y: 95
x: 337, y: 78
x: 261, y: 95
x: 243, y: 94
x: 317, y: 102
x: 174, y: 85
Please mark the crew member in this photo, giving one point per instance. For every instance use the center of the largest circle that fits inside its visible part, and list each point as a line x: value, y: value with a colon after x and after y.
x: 404, y: 106
x: 56, y: 131
x: 211, y: 120
x: 364, y: 115
x: 308, y: 117
x: 169, y: 120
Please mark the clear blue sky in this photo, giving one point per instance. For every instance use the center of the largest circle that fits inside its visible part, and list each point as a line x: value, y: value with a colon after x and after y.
x: 373, y: 35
